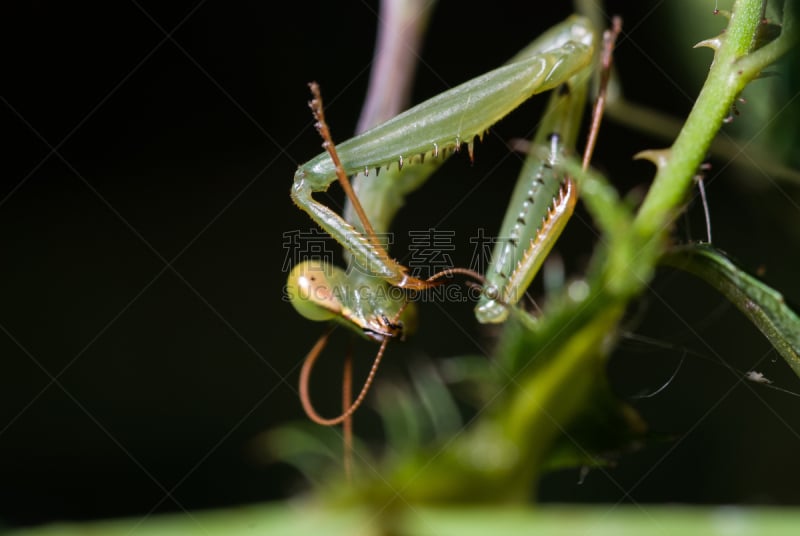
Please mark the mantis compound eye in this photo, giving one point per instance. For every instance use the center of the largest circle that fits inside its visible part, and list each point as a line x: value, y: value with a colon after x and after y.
x: 311, y: 292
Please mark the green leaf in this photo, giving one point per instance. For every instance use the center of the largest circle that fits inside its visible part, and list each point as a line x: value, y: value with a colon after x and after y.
x: 763, y: 305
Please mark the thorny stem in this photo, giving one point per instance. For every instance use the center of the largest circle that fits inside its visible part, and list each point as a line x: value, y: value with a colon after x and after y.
x: 733, y: 67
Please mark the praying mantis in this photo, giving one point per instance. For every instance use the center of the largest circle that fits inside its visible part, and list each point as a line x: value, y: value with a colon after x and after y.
x: 371, y: 298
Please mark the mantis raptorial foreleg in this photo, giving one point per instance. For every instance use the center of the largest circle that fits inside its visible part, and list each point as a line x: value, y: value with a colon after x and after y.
x: 432, y: 129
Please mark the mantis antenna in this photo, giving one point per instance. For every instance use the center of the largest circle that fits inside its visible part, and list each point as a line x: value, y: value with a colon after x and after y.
x: 322, y: 127
x: 349, y: 407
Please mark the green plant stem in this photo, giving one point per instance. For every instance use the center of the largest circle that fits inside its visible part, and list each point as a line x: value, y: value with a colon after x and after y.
x: 726, y: 79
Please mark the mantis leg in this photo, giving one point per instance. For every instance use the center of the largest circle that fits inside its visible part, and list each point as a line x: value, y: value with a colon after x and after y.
x: 544, y: 197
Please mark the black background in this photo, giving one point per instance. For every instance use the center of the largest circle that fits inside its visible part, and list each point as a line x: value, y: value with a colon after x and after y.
x: 144, y: 344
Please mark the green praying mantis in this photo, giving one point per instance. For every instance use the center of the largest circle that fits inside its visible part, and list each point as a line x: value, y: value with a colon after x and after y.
x: 372, y: 297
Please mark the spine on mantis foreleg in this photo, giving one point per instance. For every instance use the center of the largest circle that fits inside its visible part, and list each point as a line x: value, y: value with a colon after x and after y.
x: 429, y: 130
x: 543, y: 200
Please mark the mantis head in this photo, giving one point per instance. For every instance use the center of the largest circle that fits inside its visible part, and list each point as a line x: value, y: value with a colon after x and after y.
x: 366, y: 304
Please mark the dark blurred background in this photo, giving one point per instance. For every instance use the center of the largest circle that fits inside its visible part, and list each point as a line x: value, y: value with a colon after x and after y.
x: 144, y: 342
